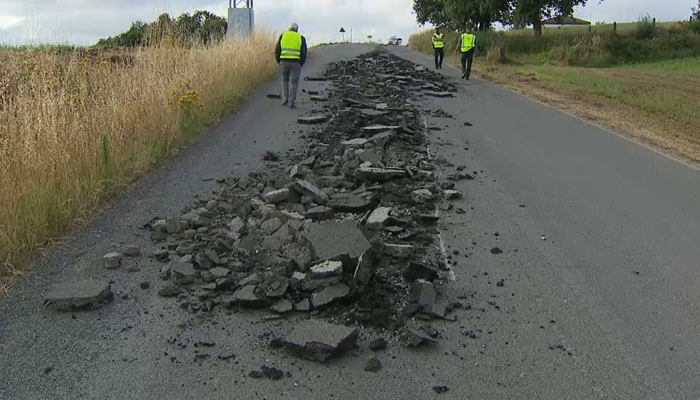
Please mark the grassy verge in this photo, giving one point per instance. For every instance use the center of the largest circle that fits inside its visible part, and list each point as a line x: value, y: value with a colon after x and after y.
x: 75, y: 127
x: 657, y: 102
x: 658, y: 107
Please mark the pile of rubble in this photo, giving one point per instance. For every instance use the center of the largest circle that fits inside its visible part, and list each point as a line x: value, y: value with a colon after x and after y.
x: 345, y: 231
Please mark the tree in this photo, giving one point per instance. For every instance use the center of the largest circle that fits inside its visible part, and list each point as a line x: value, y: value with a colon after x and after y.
x: 478, y: 14
x: 532, y: 12
x: 133, y: 37
x: 431, y: 11
x: 695, y: 16
x: 459, y: 14
x: 201, y: 27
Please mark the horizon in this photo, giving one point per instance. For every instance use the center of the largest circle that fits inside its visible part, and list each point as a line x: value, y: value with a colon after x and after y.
x: 83, y: 24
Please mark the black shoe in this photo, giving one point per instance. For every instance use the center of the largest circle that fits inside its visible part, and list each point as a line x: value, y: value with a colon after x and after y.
x: 464, y: 75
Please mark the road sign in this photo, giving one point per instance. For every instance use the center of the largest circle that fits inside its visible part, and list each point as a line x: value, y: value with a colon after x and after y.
x: 342, y: 30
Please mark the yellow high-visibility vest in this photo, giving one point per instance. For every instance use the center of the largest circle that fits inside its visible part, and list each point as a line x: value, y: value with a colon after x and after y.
x: 438, y: 42
x: 468, y: 42
x: 291, y: 46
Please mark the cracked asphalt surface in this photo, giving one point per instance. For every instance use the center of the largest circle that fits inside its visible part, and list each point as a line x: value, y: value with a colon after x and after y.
x: 599, y: 267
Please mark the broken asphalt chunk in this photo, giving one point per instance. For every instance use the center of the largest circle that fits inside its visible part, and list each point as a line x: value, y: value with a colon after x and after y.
x: 318, y: 341
x: 111, y: 260
x: 320, y: 213
x: 327, y: 269
x: 379, y: 128
x: 349, y: 202
x: 250, y: 297
x: 460, y: 177
x: 131, y: 251
x: 328, y: 295
x: 438, y: 94
x: 424, y: 293
x: 382, y: 139
x: 413, y: 338
x: 397, y: 250
x: 428, y: 218
x: 378, y: 344
x: 272, y: 372
x: 270, y: 156
x: 313, y: 119
x: 282, y: 306
x: 367, y: 172
x: 453, y: 194
x: 276, y: 196
x: 417, y: 270
x: 182, y: 273
x: 378, y: 218
x: 357, y: 143
x: 169, y: 290
x: 373, y: 365
x: 306, y: 188
x: 79, y: 296
x: 337, y: 239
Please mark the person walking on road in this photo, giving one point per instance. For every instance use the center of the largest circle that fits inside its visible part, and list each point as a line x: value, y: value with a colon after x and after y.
x: 439, y: 47
x: 291, y: 56
x: 467, y: 45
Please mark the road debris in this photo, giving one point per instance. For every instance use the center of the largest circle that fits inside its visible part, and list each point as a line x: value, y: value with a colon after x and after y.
x: 79, y: 296
x: 342, y: 231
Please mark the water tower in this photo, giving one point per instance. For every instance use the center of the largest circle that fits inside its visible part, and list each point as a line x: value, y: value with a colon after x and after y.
x: 240, y: 18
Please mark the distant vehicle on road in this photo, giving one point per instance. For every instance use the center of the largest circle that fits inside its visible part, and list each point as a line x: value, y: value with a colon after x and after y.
x: 395, y: 41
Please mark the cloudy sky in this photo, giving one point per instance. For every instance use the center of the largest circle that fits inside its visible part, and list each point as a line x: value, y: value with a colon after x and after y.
x: 85, y: 21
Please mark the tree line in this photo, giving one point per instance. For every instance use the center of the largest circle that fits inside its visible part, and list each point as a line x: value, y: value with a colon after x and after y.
x: 198, y: 28
x: 482, y: 14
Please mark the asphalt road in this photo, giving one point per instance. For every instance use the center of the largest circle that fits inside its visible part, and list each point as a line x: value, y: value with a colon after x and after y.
x: 613, y: 290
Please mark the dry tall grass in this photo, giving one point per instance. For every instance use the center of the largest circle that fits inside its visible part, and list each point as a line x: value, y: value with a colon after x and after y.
x: 74, y: 127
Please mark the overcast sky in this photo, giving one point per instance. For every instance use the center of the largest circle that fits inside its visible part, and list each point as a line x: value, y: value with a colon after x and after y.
x: 85, y: 21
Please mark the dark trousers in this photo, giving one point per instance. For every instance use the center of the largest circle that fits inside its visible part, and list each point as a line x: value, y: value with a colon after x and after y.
x: 467, y: 60
x: 439, y: 57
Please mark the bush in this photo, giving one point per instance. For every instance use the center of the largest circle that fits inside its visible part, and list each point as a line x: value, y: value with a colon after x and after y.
x: 694, y: 26
x: 496, y: 53
x: 646, y: 28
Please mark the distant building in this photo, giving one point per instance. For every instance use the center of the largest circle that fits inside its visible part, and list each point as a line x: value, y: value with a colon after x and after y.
x: 561, y: 21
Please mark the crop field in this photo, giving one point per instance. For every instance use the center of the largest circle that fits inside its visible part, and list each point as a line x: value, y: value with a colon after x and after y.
x: 77, y: 125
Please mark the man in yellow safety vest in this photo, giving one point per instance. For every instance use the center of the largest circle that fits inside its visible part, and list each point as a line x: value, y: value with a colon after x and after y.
x: 439, y: 47
x: 291, y: 56
x: 467, y: 44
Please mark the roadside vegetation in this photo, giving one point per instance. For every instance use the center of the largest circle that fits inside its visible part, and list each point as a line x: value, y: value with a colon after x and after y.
x: 79, y: 124
x: 642, y: 80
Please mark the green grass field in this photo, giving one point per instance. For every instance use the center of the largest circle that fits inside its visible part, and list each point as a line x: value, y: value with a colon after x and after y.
x: 689, y: 64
